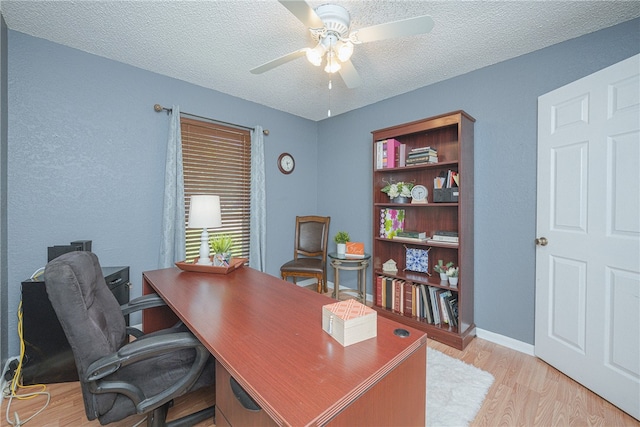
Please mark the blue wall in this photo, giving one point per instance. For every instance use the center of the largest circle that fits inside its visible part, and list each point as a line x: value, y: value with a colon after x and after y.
x: 503, y: 100
x: 86, y: 158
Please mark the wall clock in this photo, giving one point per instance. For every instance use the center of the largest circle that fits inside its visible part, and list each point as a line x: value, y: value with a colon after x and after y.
x: 419, y: 194
x: 286, y: 163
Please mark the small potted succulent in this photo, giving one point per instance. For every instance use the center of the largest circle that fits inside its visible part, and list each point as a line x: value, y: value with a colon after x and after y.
x: 442, y: 268
x: 341, y: 238
x: 452, y: 274
x: 221, y: 247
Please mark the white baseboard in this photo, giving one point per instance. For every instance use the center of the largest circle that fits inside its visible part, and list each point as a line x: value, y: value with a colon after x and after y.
x: 506, y: 341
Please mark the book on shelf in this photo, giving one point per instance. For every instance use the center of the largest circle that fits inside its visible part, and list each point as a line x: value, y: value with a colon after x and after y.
x: 434, y: 305
x: 452, y: 307
x: 398, y: 300
x: 393, y: 148
x: 440, y: 243
x: 391, y: 221
x: 421, y: 160
x: 402, y: 155
x: 427, y: 313
x: 410, y: 239
x: 450, y: 179
x: 354, y: 250
x: 422, y: 150
x: 448, y: 239
x: 414, y: 234
x: 452, y: 303
x: 408, y: 304
x: 423, y: 154
x: 379, y: 154
x: 442, y: 304
x: 446, y: 233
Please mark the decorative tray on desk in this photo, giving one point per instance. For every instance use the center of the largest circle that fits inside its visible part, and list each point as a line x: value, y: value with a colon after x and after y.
x: 192, y: 266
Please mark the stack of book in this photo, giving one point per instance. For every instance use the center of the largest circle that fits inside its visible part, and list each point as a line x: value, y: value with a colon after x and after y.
x: 421, y: 155
x: 443, y: 236
x: 411, y: 236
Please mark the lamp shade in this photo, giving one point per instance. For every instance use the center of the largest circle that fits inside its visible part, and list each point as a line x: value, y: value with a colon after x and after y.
x: 204, y: 212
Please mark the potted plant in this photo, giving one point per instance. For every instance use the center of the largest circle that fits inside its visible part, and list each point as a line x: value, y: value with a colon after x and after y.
x: 442, y: 268
x: 399, y: 192
x: 452, y: 274
x: 221, y: 248
x: 341, y: 238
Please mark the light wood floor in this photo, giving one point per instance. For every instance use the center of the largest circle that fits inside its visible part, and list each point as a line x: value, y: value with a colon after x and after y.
x: 526, y: 392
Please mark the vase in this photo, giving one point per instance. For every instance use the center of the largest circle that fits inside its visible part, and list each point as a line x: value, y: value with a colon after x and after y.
x: 400, y: 199
x: 342, y: 248
x: 453, y: 281
x: 221, y: 259
x: 444, y: 277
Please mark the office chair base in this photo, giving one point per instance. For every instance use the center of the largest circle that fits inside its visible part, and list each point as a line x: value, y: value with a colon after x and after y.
x: 196, y: 417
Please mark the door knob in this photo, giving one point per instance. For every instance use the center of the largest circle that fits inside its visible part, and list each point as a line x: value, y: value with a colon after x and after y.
x: 542, y: 241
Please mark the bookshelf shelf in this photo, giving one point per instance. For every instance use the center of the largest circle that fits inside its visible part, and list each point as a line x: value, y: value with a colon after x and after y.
x: 451, y: 135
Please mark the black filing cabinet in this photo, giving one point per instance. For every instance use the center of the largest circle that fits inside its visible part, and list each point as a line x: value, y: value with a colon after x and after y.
x: 48, y: 357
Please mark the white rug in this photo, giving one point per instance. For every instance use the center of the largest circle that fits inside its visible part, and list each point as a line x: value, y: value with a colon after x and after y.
x: 455, y: 390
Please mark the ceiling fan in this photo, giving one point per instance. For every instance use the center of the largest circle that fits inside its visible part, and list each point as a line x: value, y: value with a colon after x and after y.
x: 329, y: 26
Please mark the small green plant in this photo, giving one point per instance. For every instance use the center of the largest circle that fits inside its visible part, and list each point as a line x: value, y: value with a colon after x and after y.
x: 452, y: 272
x: 341, y: 237
x: 221, y: 243
x: 441, y: 267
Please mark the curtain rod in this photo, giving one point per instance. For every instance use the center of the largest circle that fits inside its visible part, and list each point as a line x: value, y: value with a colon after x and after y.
x: 158, y: 108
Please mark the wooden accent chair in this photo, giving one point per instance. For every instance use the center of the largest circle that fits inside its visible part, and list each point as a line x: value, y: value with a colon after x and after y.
x: 310, y: 251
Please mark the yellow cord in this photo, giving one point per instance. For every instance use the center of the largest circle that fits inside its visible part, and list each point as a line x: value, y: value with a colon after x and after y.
x: 16, y: 381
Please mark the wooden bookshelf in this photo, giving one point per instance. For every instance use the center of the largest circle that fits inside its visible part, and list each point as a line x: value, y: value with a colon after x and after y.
x: 452, y: 136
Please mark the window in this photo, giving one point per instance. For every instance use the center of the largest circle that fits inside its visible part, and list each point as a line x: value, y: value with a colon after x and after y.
x: 217, y: 160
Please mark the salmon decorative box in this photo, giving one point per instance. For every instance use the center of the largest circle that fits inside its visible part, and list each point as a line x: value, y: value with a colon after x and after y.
x: 349, y: 321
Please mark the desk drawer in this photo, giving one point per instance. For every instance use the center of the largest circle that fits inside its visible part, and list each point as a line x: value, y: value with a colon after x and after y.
x: 229, y: 395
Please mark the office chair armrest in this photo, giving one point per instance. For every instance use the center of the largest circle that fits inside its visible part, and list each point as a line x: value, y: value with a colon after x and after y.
x: 142, y: 303
x: 98, y: 372
x: 140, y: 350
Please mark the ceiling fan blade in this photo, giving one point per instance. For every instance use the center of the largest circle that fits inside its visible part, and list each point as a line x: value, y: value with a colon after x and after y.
x: 303, y: 12
x: 406, y: 27
x: 350, y: 75
x: 279, y: 61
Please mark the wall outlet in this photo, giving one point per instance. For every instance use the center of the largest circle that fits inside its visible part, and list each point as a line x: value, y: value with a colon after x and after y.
x: 9, y: 367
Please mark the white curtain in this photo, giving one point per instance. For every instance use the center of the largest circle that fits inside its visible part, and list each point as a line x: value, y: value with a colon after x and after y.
x: 172, y: 244
x: 257, y: 240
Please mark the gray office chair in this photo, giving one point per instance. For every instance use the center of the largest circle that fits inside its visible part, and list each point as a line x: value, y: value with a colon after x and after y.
x: 310, y: 251
x: 121, y: 378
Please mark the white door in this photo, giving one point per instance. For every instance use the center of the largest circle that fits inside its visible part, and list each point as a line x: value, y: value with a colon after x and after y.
x: 588, y: 233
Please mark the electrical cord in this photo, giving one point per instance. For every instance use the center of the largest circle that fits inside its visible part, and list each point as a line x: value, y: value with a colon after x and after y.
x: 36, y: 274
x: 16, y: 382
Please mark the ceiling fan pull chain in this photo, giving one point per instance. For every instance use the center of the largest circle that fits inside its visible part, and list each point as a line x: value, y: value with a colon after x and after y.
x: 330, y: 86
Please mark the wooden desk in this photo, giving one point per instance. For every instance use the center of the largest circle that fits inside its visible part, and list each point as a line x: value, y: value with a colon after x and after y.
x: 267, y: 334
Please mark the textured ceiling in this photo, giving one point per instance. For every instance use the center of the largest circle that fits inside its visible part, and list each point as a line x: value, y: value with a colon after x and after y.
x: 214, y: 44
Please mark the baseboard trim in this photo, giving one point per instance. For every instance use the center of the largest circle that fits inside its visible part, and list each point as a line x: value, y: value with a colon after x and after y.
x: 504, y: 341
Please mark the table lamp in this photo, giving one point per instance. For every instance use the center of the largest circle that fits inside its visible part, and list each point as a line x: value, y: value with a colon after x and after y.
x: 204, y: 212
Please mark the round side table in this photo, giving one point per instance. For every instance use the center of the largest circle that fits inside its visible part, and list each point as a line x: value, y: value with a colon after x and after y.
x: 346, y: 263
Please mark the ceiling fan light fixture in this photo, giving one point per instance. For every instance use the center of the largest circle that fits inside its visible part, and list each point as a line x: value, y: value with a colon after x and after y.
x: 345, y: 50
x: 332, y: 67
x: 315, y: 55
